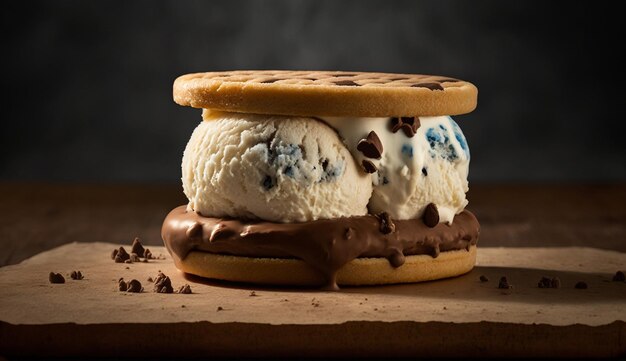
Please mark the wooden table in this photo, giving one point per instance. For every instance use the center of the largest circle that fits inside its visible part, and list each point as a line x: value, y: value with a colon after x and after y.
x: 573, y: 232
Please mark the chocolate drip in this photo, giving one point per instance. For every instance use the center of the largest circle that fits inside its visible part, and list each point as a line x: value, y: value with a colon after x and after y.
x: 326, y: 245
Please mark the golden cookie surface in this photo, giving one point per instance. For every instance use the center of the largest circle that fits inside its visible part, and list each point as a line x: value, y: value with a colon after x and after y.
x: 294, y: 272
x: 326, y: 93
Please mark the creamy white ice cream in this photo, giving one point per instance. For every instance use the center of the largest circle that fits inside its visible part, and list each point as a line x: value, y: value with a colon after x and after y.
x: 275, y: 168
x: 430, y: 167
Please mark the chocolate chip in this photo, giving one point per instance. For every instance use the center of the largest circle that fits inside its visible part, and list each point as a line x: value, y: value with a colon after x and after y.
x: 137, y: 247
x: 220, y: 308
x: 346, y: 83
x: 424, y: 171
x: 121, y: 285
x: 368, y: 166
x: 194, y: 231
x: 386, y: 223
x: 409, y: 125
x: 484, y: 278
x: 150, y: 279
x: 185, y: 289
x: 134, y: 286
x: 581, y: 285
x: 56, y: 278
x: 371, y: 147
x: 269, y: 81
x: 431, y: 86
x: 396, y: 259
x: 121, y: 256
x: 504, y: 283
x: 448, y: 80
x: 76, y: 275
x: 147, y: 254
x: 163, y: 284
x: 431, y: 215
x: 619, y: 276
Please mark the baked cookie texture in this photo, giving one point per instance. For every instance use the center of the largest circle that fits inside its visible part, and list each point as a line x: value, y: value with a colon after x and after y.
x: 326, y: 93
x: 358, y: 272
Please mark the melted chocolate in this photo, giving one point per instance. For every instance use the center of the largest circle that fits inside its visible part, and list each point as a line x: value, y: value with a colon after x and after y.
x: 326, y: 244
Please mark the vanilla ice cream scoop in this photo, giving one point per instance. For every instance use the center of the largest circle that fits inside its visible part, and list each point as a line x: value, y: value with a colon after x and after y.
x: 424, y: 161
x: 275, y: 168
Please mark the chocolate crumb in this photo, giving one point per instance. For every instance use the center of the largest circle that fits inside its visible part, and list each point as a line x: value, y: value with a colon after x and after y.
x: 581, y: 285
x: 371, y: 146
x: 127, y: 267
x: 76, y: 275
x: 368, y: 166
x: 114, y: 253
x: 252, y: 294
x: 445, y: 308
x: 431, y: 215
x: 185, y: 289
x: 163, y: 284
x: 147, y: 254
x: 386, y: 223
x: 150, y: 279
x: 56, y: 278
x: 134, y: 257
x: 484, y: 278
x: 121, y: 255
x: 134, y: 286
x: 220, y: 308
x: 504, y: 283
x: 182, y: 306
x: 619, y: 276
x: 424, y: 172
x: 137, y: 247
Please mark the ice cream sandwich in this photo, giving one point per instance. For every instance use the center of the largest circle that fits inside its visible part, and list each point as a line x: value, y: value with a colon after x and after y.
x: 324, y: 178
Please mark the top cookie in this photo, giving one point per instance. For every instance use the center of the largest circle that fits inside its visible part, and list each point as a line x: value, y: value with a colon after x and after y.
x: 326, y: 93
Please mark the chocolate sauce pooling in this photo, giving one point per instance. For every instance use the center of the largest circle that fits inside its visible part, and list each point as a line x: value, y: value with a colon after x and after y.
x: 326, y: 244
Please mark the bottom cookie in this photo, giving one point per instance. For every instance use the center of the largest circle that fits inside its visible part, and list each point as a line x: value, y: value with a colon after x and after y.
x: 360, y: 271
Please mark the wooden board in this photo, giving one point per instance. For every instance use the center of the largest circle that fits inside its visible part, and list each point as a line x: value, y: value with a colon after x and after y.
x: 454, y: 317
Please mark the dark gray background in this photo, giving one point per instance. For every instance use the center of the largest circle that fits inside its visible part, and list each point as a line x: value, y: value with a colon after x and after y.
x: 87, y: 85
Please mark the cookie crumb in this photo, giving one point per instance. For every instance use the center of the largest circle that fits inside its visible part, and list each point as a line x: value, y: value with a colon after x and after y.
x: 484, y: 278
x: 619, y: 276
x: 185, y: 289
x: 76, y: 275
x: 56, y: 278
x: 581, y: 285
x: 504, y: 283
